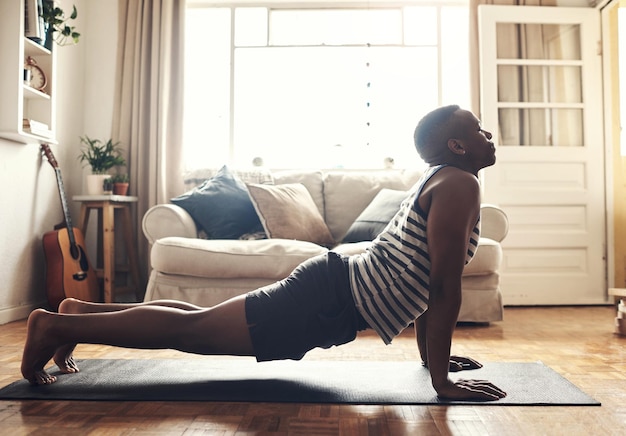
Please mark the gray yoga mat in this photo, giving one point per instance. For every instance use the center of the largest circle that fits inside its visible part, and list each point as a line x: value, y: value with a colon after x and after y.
x: 349, y: 382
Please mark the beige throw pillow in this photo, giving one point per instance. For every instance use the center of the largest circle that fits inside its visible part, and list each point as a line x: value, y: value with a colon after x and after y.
x: 288, y: 212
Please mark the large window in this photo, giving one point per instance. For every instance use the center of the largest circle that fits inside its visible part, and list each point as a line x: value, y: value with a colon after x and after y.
x: 319, y: 88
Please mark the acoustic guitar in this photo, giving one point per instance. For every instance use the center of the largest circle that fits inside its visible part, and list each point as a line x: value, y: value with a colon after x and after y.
x: 68, y: 271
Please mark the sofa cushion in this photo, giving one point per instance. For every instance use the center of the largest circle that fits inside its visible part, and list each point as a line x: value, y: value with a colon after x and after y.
x: 288, y: 212
x: 376, y: 216
x: 487, y: 259
x: 267, y: 258
x: 352, y: 248
x: 221, y: 207
x: 311, y: 179
x: 347, y: 194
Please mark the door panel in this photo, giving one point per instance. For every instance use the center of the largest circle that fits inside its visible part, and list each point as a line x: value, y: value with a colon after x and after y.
x: 541, y: 97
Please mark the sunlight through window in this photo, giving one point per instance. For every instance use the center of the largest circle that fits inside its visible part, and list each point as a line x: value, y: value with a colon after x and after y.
x: 319, y: 88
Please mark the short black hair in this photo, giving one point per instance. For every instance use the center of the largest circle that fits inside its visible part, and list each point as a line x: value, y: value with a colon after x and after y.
x: 433, y: 130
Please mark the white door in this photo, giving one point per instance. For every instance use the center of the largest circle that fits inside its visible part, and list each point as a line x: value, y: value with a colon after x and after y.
x: 541, y: 96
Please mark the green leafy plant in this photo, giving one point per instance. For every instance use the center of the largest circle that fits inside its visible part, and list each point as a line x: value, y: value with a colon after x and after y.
x: 120, y: 178
x: 55, y: 18
x: 101, y: 156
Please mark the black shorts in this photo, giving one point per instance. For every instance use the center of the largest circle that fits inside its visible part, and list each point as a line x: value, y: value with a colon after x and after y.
x: 313, y: 307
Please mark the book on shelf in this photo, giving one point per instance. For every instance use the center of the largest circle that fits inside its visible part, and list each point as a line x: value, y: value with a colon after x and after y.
x: 36, y: 128
x: 34, y: 124
x: 33, y: 27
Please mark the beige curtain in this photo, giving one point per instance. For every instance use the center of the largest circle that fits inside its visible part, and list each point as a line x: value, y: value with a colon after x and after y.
x: 148, y: 113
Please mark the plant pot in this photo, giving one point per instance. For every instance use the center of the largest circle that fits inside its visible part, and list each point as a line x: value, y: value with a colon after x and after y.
x: 120, y: 188
x: 95, y: 183
x: 49, y: 37
x: 107, y: 186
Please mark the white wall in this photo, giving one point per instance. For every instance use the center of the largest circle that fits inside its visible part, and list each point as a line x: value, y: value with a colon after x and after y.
x: 29, y: 199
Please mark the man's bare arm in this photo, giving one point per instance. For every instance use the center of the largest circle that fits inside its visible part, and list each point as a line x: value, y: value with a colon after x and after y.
x: 454, y: 204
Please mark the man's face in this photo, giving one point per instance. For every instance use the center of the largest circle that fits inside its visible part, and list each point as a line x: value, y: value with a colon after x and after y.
x: 480, y: 152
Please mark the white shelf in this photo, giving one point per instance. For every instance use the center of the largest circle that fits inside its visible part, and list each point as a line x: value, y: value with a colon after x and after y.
x: 20, y: 101
x: 34, y: 93
x: 31, y: 48
x: 24, y: 137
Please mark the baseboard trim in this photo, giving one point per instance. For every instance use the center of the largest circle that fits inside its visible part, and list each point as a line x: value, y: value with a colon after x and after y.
x: 17, y: 313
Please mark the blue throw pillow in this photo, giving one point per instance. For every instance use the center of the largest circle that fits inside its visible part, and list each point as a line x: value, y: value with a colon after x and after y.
x: 221, y: 207
x: 373, y: 220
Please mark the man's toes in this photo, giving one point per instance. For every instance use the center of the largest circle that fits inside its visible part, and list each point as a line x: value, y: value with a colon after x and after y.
x: 70, y: 366
x: 65, y: 361
x: 42, y: 378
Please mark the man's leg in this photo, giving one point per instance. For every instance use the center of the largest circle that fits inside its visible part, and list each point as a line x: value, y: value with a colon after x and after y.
x: 72, y: 305
x: 222, y: 330
x: 63, y: 357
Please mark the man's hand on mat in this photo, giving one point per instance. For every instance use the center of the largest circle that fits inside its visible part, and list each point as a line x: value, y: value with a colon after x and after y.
x: 473, y: 390
x: 460, y: 363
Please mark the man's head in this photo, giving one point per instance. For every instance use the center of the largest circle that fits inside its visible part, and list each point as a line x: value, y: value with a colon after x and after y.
x: 451, y: 135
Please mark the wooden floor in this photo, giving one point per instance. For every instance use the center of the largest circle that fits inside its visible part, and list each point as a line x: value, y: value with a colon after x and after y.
x: 575, y: 341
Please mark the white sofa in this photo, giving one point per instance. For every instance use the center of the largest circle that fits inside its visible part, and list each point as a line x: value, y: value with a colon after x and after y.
x: 208, y: 271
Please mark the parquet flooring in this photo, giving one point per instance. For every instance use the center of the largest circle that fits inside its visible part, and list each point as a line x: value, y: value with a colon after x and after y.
x: 575, y: 341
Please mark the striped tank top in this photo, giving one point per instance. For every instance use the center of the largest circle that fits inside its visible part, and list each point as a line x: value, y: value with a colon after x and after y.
x: 390, y: 281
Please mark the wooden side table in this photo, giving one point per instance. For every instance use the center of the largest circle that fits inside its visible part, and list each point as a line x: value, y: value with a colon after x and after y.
x: 620, y: 319
x: 107, y: 205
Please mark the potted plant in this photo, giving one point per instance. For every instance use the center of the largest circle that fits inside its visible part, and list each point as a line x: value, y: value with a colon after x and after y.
x: 120, y: 184
x: 55, y: 21
x: 101, y: 157
x: 107, y: 186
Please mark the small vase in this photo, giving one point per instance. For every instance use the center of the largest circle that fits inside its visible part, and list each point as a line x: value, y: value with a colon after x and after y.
x: 120, y: 188
x: 48, y: 42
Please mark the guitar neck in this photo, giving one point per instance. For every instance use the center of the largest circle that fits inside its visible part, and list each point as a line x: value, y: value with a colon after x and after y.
x: 66, y: 210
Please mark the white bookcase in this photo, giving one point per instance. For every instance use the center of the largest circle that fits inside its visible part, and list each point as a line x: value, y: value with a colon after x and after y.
x: 18, y: 100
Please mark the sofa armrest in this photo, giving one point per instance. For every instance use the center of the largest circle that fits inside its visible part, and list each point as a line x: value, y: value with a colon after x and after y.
x: 168, y: 220
x: 494, y: 222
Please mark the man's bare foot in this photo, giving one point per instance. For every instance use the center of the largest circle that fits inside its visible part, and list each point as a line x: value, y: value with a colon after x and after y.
x: 63, y: 357
x: 42, y: 378
x: 39, y: 349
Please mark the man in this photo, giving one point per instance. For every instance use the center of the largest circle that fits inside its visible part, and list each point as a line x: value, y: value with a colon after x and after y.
x: 411, y: 273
